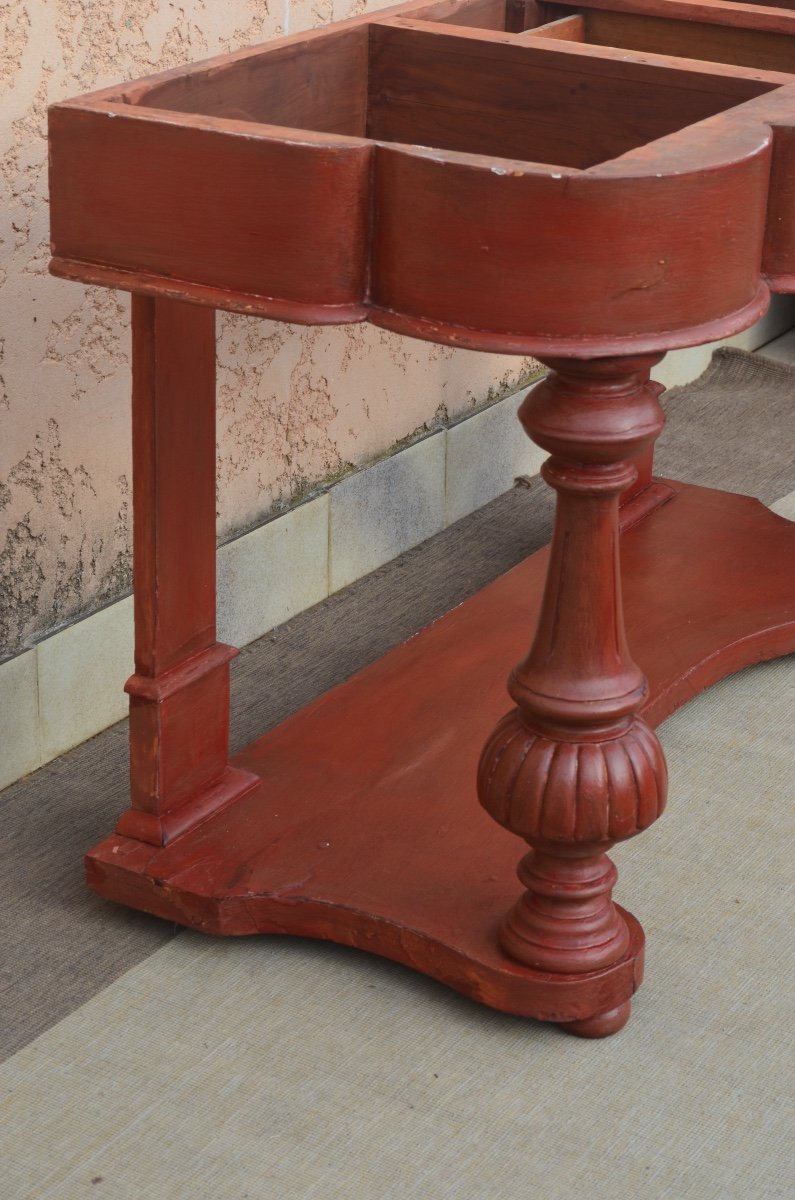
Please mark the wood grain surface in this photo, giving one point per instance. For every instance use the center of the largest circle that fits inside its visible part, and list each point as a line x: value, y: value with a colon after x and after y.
x: 179, y: 694
x: 366, y: 828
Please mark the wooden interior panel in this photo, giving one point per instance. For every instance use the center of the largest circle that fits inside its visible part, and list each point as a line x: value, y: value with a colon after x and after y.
x: 514, y: 100
x: 771, y: 18
x: 689, y: 39
x: 525, y: 14
x: 569, y: 29
x: 477, y: 14
x: 318, y: 84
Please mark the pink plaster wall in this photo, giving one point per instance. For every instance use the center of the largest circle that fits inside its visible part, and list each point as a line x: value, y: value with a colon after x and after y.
x: 297, y: 406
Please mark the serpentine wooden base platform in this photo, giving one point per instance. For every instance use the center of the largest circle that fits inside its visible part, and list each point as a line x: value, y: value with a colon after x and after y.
x: 365, y: 828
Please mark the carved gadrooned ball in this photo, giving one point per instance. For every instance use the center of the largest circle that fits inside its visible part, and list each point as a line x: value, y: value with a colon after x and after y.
x: 562, y: 791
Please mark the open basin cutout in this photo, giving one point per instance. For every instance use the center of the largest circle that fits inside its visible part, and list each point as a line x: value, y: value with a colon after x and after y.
x: 514, y: 100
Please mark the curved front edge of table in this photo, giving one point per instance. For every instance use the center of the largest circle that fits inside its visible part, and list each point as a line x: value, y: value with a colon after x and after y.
x: 365, y: 828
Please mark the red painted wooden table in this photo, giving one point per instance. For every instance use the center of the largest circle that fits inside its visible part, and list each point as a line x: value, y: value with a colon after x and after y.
x: 517, y: 178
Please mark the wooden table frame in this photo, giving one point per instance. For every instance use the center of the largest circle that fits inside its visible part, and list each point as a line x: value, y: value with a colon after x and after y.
x: 356, y: 820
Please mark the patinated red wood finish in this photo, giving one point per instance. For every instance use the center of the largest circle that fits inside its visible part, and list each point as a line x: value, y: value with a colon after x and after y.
x: 574, y: 768
x: 366, y: 829
x: 181, y: 679
x: 568, y: 182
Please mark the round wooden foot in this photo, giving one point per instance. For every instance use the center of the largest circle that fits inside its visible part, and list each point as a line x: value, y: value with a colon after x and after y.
x: 602, y: 1025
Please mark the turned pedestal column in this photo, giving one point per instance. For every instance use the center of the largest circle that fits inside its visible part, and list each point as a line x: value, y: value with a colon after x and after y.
x: 573, y: 768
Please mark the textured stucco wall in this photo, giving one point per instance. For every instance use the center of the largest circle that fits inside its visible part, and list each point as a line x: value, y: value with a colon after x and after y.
x: 297, y: 406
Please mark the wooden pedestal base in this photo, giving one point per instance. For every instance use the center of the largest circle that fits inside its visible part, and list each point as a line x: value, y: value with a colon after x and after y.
x: 366, y: 829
